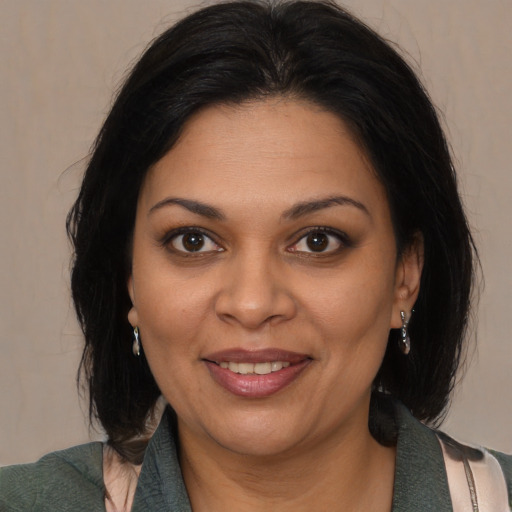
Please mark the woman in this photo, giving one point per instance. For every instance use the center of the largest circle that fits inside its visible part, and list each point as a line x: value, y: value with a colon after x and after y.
x: 269, y: 235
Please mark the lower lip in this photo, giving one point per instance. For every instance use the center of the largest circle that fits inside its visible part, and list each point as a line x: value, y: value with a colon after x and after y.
x: 255, y: 386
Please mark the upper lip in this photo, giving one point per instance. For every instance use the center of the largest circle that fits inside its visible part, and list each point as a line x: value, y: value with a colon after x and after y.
x: 237, y: 355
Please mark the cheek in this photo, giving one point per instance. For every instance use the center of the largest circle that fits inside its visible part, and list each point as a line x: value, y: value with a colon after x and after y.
x: 170, y: 301
x: 171, y: 314
x: 355, y: 301
x: 170, y: 324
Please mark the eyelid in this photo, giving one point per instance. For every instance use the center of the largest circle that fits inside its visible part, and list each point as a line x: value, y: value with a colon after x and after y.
x: 344, y: 240
x: 169, y: 236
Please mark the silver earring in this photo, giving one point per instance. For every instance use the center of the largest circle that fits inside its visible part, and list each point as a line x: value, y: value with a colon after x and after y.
x: 136, y: 342
x: 405, y: 342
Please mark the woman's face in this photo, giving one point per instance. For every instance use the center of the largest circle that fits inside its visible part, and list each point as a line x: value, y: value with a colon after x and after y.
x: 265, y: 277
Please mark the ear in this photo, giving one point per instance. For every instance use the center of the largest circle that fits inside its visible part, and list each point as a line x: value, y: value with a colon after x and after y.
x: 133, y: 316
x: 407, y: 279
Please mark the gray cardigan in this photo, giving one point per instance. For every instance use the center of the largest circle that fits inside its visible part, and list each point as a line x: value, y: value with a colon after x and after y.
x: 71, y: 480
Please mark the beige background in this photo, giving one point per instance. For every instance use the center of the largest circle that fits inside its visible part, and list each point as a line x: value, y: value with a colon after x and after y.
x: 60, y: 62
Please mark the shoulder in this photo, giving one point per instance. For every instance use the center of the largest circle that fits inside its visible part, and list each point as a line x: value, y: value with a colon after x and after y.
x: 61, y: 480
x: 434, y: 466
x: 505, y: 462
x: 484, y: 474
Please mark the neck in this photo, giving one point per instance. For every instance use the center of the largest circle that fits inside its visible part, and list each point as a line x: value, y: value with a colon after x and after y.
x: 349, y: 470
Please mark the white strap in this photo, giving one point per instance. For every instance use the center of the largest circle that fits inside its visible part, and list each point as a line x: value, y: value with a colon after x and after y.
x: 475, y: 478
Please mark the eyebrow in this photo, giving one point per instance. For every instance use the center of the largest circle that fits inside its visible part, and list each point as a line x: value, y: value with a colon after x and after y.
x: 296, y: 211
x: 196, y: 207
x: 307, y: 207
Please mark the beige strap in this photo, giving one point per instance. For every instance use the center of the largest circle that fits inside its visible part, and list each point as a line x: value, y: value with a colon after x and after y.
x: 120, y: 478
x: 475, y: 478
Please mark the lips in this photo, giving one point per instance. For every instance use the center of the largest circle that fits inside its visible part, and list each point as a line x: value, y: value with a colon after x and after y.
x: 255, y: 374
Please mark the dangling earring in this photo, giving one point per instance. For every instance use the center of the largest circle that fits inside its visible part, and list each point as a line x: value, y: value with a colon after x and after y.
x: 404, y: 342
x: 136, y: 342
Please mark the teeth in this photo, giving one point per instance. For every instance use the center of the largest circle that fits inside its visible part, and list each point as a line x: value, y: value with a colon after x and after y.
x: 257, y: 368
x: 245, y: 368
x: 276, y: 366
x: 262, y: 368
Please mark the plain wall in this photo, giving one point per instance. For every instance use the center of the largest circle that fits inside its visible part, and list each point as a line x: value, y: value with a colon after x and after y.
x: 61, y: 61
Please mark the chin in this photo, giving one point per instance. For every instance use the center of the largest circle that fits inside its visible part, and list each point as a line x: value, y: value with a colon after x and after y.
x: 259, y: 444
x: 256, y: 435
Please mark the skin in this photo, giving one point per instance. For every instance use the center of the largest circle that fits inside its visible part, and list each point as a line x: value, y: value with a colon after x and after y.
x: 256, y: 284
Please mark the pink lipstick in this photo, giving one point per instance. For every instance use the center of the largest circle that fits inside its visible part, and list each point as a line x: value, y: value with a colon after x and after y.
x: 255, y: 374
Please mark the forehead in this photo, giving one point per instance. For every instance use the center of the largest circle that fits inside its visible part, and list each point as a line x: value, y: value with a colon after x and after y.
x: 263, y: 152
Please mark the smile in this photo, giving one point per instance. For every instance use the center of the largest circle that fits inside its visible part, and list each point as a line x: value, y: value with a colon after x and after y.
x: 254, y: 368
x: 256, y: 374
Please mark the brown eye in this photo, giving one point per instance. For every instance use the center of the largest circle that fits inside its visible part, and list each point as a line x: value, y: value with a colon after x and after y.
x: 320, y: 241
x: 317, y: 242
x: 193, y: 241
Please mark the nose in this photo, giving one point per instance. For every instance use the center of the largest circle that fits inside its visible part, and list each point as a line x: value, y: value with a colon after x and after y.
x: 254, y: 293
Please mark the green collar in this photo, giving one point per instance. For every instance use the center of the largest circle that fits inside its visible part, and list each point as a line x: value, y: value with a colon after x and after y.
x: 420, y: 476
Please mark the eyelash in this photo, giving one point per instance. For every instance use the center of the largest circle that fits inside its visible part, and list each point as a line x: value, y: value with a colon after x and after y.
x: 343, y: 241
x: 342, y: 238
x: 189, y: 230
